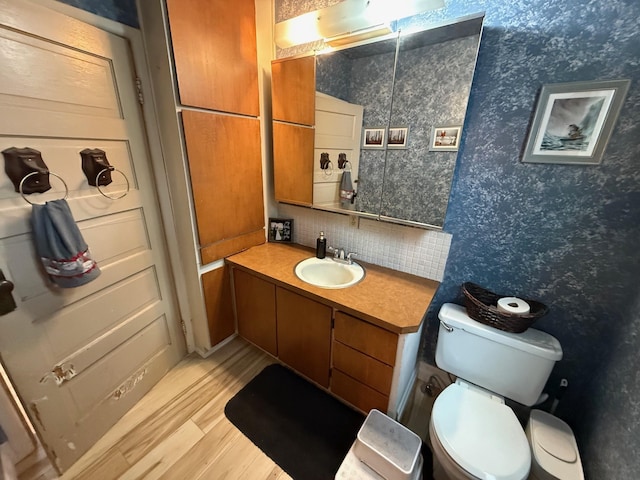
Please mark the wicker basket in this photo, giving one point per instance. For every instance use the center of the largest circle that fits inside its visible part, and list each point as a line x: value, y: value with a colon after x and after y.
x: 481, y: 306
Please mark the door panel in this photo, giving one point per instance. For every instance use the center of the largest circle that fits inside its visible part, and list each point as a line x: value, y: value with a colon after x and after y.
x: 81, y: 357
x: 338, y: 130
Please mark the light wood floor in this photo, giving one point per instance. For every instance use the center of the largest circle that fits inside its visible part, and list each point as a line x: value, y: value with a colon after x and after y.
x: 178, y: 430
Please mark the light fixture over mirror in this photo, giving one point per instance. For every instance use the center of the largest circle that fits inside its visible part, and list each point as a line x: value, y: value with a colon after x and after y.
x: 349, y: 18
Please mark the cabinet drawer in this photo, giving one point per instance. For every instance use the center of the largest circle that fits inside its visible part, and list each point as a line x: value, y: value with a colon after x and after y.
x: 366, y: 369
x: 369, y: 339
x: 356, y: 393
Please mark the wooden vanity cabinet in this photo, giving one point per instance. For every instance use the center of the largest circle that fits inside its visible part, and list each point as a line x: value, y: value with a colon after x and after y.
x: 356, y: 363
x: 304, y: 335
x: 364, y: 357
x: 256, y: 310
x: 291, y: 327
x: 368, y: 356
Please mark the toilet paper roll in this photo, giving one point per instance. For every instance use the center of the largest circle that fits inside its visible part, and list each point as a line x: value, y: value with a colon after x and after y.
x: 513, y: 305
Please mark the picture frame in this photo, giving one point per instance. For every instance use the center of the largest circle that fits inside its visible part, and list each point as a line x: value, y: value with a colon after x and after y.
x: 397, y: 137
x: 573, y: 122
x: 445, y: 138
x: 281, y: 230
x: 373, y: 137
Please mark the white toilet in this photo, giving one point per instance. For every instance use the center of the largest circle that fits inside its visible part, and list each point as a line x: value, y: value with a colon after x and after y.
x: 473, y: 434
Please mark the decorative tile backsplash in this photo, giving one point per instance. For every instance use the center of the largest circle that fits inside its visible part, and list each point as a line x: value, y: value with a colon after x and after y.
x: 407, y: 249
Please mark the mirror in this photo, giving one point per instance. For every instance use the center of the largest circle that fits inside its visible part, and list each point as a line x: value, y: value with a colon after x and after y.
x: 411, y: 89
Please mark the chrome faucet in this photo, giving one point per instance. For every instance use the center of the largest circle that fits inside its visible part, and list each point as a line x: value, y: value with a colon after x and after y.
x: 340, y: 256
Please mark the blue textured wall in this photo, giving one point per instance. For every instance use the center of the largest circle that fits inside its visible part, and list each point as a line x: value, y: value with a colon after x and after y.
x: 567, y: 235
x: 123, y: 11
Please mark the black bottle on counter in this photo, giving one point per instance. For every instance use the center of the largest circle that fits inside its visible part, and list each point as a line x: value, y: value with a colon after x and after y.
x: 321, y: 246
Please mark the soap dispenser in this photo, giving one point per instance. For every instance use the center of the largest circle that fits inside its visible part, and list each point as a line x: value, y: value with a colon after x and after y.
x: 321, y: 246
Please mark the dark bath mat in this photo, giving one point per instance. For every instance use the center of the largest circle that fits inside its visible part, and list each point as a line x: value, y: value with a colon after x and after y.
x: 303, y: 429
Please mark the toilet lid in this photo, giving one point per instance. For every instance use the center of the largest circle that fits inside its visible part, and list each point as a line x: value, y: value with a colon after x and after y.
x: 481, y: 434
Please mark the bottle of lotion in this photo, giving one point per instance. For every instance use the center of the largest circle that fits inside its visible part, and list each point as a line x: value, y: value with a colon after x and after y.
x: 321, y: 246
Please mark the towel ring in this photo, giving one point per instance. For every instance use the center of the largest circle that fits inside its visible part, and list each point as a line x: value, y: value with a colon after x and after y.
x: 66, y: 188
x: 329, y: 170
x: 112, y: 169
x: 343, y: 164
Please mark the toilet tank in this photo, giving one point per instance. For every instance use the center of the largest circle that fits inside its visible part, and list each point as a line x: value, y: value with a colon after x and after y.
x: 513, y: 365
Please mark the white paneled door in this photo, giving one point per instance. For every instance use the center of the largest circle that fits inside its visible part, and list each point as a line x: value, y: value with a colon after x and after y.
x: 338, y: 130
x: 81, y: 357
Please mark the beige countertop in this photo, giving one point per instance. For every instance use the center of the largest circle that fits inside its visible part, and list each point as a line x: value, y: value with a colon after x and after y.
x: 393, y: 300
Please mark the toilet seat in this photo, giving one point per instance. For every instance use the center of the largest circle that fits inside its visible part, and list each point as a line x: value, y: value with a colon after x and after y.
x: 480, y: 433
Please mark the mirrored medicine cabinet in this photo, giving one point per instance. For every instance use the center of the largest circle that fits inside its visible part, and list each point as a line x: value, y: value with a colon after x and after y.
x: 387, y: 114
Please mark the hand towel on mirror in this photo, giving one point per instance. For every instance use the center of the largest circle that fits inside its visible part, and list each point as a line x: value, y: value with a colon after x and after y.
x: 60, y: 246
x: 346, y: 190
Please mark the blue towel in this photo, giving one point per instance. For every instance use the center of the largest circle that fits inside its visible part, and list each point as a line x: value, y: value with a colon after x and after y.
x: 346, y: 190
x: 60, y: 246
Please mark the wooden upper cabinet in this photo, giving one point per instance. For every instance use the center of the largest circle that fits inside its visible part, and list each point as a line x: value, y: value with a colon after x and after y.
x: 293, y: 90
x: 293, y: 163
x: 225, y: 167
x: 214, y: 47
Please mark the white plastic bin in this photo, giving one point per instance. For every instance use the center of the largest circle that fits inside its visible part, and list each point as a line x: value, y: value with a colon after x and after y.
x: 387, y: 447
x: 554, y: 452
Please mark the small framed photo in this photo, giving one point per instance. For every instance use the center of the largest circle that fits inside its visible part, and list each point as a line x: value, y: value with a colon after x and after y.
x: 373, y: 137
x: 280, y: 229
x: 397, y: 137
x: 445, y: 138
x: 574, y: 121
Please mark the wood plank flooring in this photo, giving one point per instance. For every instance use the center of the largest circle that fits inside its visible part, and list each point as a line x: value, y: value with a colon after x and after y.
x: 179, y: 430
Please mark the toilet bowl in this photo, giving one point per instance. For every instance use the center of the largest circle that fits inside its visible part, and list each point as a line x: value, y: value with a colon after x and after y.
x: 473, y: 433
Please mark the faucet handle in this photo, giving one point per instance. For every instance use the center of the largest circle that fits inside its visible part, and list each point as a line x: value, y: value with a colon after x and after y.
x: 350, y: 255
x: 335, y: 251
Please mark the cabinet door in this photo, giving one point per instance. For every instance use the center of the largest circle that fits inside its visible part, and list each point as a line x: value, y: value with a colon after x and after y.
x: 214, y: 48
x: 256, y: 310
x: 293, y: 163
x: 225, y: 166
x: 304, y: 335
x: 216, y: 288
x: 293, y: 90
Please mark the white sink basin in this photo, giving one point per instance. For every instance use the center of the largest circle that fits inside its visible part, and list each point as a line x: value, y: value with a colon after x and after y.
x: 327, y: 273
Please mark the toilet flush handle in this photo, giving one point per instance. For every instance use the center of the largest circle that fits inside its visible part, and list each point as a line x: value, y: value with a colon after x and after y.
x: 446, y: 327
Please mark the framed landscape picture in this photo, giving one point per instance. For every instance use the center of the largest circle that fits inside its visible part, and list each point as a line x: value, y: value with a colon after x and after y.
x: 373, y: 137
x: 397, y: 137
x: 574, y: 121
